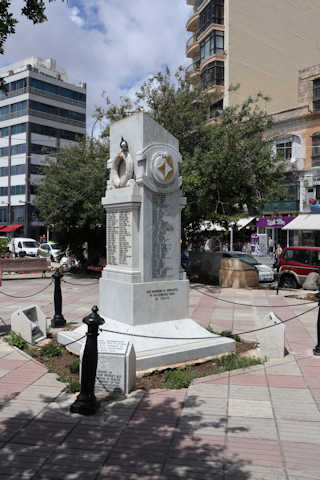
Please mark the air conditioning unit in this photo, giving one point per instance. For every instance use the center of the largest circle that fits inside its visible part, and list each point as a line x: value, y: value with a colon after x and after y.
x: 308, y: 182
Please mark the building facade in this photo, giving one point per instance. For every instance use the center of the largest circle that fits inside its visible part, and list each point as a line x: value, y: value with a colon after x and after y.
x: 296, y: 136
x: 40, y: 112
x: 258, y: 45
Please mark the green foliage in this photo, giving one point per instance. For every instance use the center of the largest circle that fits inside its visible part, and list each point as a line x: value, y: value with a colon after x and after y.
x: 75, y: 367
x: 69, y: 196
x: 51, y: 350
x: 73, y: 386
x: 224, y: 333
x: 234, y: 361
x: 3, y: 245
x: 179, y: 378
x: 33, y: 10
x: 16, y: 340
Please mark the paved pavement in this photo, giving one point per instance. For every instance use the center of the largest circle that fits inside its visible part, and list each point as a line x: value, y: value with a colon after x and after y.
x: 262, y: 423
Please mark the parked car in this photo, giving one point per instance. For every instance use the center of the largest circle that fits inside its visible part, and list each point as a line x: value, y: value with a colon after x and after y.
x: 50, y: 250
x: 295, y: 264
x: 205, y: 266
x: 266, y: 273
x: 20, y: 247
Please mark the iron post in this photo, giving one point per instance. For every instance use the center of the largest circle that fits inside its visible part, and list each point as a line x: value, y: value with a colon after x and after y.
x: 316, y: 350
x: 58, y: 319
x: 86, y: 402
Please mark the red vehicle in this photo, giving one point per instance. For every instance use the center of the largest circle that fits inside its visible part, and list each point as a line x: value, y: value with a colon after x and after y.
x: 295, y: 264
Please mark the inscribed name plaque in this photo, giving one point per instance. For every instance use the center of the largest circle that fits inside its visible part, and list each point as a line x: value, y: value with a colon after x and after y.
x: 116, y: 369
x: 119, y: 237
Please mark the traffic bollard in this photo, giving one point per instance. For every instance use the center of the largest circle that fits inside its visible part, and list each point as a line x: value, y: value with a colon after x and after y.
x: 58, y: 319
x: 86, y: 402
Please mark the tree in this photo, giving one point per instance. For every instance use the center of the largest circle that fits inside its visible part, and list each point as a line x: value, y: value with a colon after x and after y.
x: 70, y: 192
x: 227, y: 166
x: 34, y: 10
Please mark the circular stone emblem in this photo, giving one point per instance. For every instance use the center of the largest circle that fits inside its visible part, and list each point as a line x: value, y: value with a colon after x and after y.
x: 164, y: 168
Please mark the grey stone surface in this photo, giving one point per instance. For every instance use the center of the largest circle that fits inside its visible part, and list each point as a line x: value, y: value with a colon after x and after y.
x: 301, y: 404
x: 245, y: 427
x: 271, y: 340
x: 299, y: 431
x: 256, y: 393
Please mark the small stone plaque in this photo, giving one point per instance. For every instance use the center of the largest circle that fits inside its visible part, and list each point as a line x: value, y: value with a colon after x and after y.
x: 30, y: 323
x: 116, y: 369
x: 271, y: 340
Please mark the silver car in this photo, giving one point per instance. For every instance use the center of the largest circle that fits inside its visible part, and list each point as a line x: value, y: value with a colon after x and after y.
x: 50, y: 250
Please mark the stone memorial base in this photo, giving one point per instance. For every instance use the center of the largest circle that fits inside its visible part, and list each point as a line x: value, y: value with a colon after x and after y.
x: 182, y: 340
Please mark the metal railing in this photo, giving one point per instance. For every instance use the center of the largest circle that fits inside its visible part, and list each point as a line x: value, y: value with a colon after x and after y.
x: 192, y: 40
x: 194, y: 67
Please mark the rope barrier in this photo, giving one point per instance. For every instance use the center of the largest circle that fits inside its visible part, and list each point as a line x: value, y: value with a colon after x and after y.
x: 27, y: 296
x: 74, y: 341
x: 80, y: 284
x: 206, y: 338
x: 257, y: 306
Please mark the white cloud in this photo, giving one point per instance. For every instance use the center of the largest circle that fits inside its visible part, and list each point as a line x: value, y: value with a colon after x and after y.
x: 118, y: 45
x: 75, y: 17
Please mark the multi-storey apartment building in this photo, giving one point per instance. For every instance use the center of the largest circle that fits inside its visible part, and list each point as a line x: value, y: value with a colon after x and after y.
x: 259, y: 45
x: 40, y: 112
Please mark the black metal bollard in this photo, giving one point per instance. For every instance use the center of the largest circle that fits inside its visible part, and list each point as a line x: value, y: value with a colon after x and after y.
x: 58, y: 319
x: 86, y: 403
x: 316, y: 350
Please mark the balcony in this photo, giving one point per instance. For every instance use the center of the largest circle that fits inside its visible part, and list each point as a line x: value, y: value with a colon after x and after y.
x: 193, y: 72
x: 193, y: 24
x: 193, y: 47
x: 281, y: 206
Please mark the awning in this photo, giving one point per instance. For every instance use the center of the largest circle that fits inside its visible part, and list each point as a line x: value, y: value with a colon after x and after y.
x: 241, y: 223
x: 10, y: 228
x: 2, y: 226
x: 304, y: 222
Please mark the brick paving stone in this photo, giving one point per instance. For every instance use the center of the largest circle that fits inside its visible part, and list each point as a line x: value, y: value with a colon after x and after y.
x: 245, y: 379
x: 249, y: 408
x: 40, y: 393
x: 43, y: 433
x: 3, y: 372
x: 204, y: 406
x: 254, y: 451
x: 205, y: 390
x: 253, y: 472
x: 9, y: 427
x: 245, y: 427
x: 214, y: 425
x: 206, y: 471
x: 284, y: 369
x: 9, y: 391
x: 6, y: 364
x: 286, y: 381
x: 91, y: 437
x: 243, y: 392
x: 301, y: 405
x: 299, y: 431
x: 302, y: 456
x: 302, y: 475
x: 17, y: 409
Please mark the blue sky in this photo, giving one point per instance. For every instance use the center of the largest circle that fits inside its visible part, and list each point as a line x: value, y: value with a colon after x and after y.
x: 112, y: 45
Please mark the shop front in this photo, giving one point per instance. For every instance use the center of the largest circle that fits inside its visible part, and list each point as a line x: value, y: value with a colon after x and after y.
x: 273, y: 228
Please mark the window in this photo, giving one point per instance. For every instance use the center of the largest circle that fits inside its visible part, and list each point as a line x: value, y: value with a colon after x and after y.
x: 42, y: 149
x: 43, y: 130
x: 3, y: 191
x: 213, y: 13
x: 316, y: 150
x: 3, y: 214
x: 4, y: 171
x: 21, y: 128
x: 284, y: 150
x: 18, y: 149
x: 78, y: 96
x: 216, y: 109
x: 19, y: 106
x: 46, y: 87
x: 4, y: 132
x: 212, y: 45
x: 316, y: 95
x: 18, y: 169
x: 18, y: 84
x: 4, y: 151
x: 4, y: 111
x: 65, y: 134
x: 37, y: 169
x: 213, y: 74
x: 18, y: 189
x: 42, y: 107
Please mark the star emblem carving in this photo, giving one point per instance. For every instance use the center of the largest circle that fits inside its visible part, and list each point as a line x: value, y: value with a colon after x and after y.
x: 166, y: 168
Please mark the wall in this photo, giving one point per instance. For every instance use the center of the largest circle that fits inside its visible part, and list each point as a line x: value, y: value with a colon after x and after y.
x: 267, y: 43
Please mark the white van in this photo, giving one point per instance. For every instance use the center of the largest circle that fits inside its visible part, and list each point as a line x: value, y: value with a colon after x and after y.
x: 23, y: 246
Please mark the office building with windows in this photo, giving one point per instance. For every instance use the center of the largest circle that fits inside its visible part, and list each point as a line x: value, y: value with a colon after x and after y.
x: 258, y: 45
x: 40, y: 112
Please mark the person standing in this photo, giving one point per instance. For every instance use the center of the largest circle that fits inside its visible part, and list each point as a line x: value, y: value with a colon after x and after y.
x: 271, y: 245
